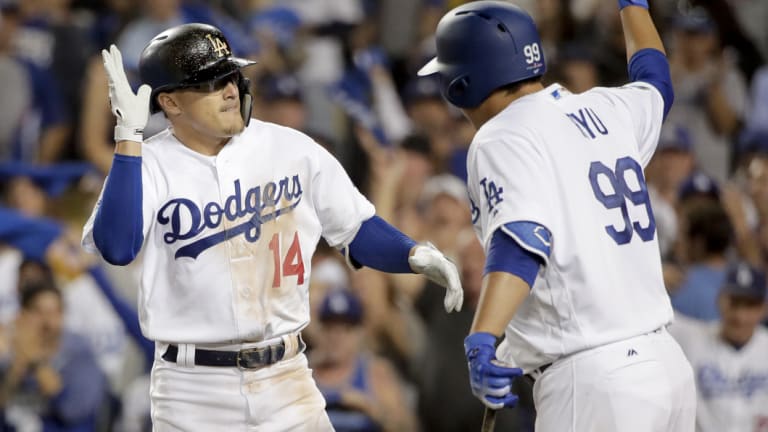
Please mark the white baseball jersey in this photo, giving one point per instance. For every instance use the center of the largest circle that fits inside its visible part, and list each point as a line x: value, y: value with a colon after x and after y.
x: 228, y: 239
x: 732, y: 384
x: 563, y: 175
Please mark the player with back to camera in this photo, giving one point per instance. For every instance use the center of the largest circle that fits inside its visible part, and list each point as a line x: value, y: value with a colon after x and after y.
x: 573, y: 274
x: 226, y: 212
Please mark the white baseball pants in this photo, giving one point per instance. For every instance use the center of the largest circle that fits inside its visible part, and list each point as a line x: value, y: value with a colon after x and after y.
x: 642, y: 384
x: 280, y: 397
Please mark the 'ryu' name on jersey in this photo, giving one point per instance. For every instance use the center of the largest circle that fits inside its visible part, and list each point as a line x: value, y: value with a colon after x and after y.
x: 186, y: 220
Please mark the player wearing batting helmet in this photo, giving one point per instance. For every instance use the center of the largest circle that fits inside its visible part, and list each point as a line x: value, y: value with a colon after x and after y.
x: 226, y: 212
x: 573, y: 276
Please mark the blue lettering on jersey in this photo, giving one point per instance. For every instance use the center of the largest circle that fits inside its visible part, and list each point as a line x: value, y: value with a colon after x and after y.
x: 531, y: 236
x: 713, y: 383
x: 619, y: 193
x: 493, y: 194
x: 235, y: 206
x: 580, y: 120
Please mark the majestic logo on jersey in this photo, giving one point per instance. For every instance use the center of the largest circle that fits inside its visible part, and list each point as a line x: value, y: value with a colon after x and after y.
x: 713, y: 383
x: 253, y: 202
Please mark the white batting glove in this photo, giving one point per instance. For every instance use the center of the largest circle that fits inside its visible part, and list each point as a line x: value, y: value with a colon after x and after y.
x: 430, y: 262
x: 131, y: 110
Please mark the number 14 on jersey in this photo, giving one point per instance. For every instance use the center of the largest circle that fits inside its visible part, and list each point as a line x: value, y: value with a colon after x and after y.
x: 291, y: 265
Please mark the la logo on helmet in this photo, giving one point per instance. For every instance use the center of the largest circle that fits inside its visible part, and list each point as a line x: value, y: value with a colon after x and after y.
x: 218, y: 45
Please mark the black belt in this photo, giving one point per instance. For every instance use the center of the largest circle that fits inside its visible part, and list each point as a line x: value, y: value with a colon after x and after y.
x: 251, y: 358
x: 528, y: 377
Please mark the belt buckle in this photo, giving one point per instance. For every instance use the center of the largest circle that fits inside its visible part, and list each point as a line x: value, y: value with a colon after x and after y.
x: 254, y: 358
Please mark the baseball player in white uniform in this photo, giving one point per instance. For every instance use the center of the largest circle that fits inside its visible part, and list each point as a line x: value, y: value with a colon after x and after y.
x: 730, y: 357
x: 226, y: 212
x: 573, y: 275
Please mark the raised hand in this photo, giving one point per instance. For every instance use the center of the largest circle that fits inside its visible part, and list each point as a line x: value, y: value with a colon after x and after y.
x: 131, y: 109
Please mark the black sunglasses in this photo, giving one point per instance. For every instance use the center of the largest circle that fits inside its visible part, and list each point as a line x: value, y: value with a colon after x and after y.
x: 214, y: 85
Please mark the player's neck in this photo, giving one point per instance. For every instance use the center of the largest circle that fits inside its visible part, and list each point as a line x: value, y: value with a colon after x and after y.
x: 206, y: 145
x: 497, y: 102
x: 737, y: 344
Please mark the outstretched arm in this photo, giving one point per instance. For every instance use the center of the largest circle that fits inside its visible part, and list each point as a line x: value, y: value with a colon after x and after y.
x: 381, y: 246
x: 646, y: 57
x: 639, y: 30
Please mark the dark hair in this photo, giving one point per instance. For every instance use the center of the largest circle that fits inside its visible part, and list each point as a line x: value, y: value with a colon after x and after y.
x: 708, y: 221
x: 31, y: 291
x: 42, y: 274
x: 417, y: 143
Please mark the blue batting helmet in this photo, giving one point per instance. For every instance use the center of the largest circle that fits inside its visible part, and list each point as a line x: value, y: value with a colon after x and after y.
x: 484, y: 45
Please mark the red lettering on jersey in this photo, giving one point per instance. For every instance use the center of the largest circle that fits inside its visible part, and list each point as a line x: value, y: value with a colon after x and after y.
x: 293, y: 264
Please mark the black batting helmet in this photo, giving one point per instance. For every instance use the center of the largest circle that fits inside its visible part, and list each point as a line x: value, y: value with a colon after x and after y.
x: 187, y: 55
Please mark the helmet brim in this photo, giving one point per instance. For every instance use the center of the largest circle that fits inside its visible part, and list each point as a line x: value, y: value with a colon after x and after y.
x: 430, y: 68
x: 224, y: 67
x: 241, y: 62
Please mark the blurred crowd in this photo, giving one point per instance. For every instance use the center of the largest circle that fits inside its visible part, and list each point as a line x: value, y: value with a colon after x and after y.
x: 383, y: 351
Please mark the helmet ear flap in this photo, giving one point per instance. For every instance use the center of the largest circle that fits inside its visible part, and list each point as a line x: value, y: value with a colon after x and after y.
x: 457, y: 89
x: 246, y: 100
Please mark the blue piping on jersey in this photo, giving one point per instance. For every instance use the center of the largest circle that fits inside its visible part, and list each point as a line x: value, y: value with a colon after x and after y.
x: 506, y: 255
x: 530, y: 236
x: 651, y: 66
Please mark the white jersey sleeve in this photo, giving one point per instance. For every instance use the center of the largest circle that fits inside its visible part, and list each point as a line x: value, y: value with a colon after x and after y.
x: 340, y: 206
x: 642, y: 107
x: 506, y: 178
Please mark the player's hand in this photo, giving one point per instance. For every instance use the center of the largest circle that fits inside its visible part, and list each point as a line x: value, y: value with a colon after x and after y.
x: 131, y: 110
x: 490, y: 383
x: 430, y: 262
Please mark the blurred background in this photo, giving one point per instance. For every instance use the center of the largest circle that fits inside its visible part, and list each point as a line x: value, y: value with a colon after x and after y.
x: 384, y: 353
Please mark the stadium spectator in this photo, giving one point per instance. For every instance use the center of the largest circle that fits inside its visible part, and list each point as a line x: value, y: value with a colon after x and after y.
x: 51, y: 372
x: 705, y: 237
x: 710, y: 92
x: 441, y: 358
x: 728, y: 356
x: 362, y: 391
x: 33, y: 123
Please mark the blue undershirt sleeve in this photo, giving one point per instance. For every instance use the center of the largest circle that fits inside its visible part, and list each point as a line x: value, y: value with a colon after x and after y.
x: 651, y: 66
x: 117, y: 228
x: 507, y: 255
x: 381, y: 246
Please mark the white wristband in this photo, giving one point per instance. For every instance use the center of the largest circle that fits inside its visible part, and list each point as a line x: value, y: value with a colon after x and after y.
x: 125, y: 133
